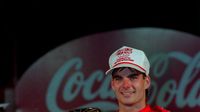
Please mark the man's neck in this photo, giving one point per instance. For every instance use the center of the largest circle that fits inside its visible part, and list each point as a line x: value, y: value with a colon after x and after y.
x: 131, y: 108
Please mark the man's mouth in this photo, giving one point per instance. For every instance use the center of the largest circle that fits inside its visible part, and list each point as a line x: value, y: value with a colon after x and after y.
x: 127, y: 93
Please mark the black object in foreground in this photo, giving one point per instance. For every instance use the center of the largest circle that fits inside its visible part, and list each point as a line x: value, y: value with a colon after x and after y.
x: 89, y: 109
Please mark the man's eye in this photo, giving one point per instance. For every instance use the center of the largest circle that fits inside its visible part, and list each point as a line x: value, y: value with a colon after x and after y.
x: 133, y: 77
x: 117, y: 78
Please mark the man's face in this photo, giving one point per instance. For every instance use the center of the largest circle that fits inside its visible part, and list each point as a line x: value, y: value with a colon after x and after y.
x: 129, y: 86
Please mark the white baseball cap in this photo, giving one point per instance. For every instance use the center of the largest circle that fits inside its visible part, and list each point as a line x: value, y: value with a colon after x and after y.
x: 129, y: 57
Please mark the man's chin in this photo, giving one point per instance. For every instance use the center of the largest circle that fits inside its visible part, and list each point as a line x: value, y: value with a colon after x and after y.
x: 127, y: 100
x: 128, y: 103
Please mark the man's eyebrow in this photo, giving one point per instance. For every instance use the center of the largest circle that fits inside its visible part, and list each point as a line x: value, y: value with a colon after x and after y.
x: 135, y: 74
x: 116, y: 76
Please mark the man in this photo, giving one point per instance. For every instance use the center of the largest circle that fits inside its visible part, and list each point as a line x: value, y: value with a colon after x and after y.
x: 129, y: 68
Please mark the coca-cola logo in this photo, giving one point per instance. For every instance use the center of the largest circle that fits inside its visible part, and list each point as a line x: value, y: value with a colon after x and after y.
x: 174, y: 90
x: 73, y: 75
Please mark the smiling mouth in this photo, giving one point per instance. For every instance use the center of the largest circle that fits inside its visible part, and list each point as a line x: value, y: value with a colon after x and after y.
x: 127, y: 93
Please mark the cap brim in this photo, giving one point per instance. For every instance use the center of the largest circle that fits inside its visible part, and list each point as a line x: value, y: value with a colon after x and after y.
x: 135, y: 66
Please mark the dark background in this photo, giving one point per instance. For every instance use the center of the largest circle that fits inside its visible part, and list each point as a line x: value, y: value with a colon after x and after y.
x: 29, y: 34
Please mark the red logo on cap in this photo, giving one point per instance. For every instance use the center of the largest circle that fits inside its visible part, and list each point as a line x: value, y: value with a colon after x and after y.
x: 123, y: 55
x: 125, y: 51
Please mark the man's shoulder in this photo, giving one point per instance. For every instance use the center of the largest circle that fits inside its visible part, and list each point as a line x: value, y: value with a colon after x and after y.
x: 159, y: 109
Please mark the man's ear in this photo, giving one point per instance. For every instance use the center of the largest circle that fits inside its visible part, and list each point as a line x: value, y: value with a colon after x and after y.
x: 112, y: 84
x: 147, y: 82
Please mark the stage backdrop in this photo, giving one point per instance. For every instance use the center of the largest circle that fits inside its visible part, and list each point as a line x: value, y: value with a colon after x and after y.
x: 73, y: 74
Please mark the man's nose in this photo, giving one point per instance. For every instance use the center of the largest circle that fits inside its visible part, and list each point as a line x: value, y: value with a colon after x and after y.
x: 126, y: 83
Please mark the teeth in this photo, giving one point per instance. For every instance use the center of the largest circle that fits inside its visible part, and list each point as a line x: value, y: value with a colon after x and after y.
x: 127, y: 93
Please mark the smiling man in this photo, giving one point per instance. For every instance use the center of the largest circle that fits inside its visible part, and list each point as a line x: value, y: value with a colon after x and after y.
x: 129, y: 68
